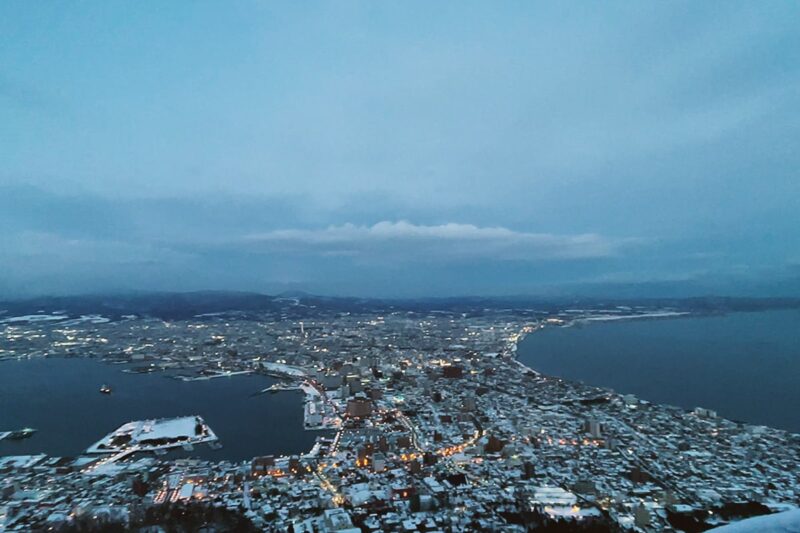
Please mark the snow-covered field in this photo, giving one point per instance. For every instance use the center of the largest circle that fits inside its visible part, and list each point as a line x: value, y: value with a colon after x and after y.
x: 32, y: 319
x: 55, y: 317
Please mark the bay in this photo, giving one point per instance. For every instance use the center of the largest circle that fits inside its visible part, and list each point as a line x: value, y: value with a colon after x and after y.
x: 61, y: 398
x: 746, y: 366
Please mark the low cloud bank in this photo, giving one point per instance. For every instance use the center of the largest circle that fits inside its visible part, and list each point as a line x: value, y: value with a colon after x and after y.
x: 412, y: 241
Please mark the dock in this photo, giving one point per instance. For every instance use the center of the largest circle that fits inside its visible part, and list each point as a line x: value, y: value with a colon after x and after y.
x: 277, y: 387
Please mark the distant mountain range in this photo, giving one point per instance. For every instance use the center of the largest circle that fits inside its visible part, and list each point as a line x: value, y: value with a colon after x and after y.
x: 174, y: 305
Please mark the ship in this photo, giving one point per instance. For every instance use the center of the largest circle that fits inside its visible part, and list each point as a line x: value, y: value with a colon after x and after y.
x: 105, y: 389
x: 20, y: 434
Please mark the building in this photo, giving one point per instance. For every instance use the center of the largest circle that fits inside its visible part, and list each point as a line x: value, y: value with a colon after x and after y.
x: 359, y: 408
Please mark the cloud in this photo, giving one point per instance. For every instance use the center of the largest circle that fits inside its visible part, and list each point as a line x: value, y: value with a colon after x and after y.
x: 408, y: 241
x: 45, y: 249
x: 43, y: 263
x: 633, y: 142
x: 26, y: 97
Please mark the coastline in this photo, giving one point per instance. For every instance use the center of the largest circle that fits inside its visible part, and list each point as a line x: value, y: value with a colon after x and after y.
x: 741, y: 419
x: 529, y: 329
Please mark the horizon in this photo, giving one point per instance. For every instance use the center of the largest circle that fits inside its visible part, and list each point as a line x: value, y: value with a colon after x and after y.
x: 555, y: 298
x: 400, y: 150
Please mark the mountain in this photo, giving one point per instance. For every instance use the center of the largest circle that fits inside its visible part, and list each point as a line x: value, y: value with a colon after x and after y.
x: 176, y: 305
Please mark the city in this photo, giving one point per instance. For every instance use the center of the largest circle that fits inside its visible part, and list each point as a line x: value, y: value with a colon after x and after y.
x: 409, y: 266
x: 427, y: 422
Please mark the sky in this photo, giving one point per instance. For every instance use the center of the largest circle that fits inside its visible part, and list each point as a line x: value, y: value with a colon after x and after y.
x: 400, y: 149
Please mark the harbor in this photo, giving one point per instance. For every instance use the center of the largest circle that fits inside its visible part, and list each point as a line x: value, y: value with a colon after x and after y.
x: 71, y: 416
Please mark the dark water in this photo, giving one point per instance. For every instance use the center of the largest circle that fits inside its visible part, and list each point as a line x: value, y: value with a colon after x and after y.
x: 61, y: 398
x: 746, y: 366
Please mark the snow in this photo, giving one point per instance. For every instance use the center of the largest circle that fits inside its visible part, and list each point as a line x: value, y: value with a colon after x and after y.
x: 186, y: 491
x: 606, y: 318
x: 554, y: 496
x: 20, y: 461
x: 175, y: 431
x: 55, y: 317
x: 284, y: 369
x: 32, y: 318
x: 92, y: 319
x: 786, y: 522
x: 167, y: 429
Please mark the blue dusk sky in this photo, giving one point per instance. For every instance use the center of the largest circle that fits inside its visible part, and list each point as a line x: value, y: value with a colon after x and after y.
x: 400, y: 148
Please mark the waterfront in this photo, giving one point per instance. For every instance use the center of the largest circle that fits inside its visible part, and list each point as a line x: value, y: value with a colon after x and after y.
x: 413, y: 405
x: 743, y: 365
x: 61, y: 398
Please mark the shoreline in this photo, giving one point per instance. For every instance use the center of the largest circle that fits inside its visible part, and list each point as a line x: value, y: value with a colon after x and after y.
x: 529, y: 330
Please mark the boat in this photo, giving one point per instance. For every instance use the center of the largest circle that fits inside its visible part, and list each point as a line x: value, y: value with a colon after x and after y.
x: 20, y: 434
x: 105, y: 389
